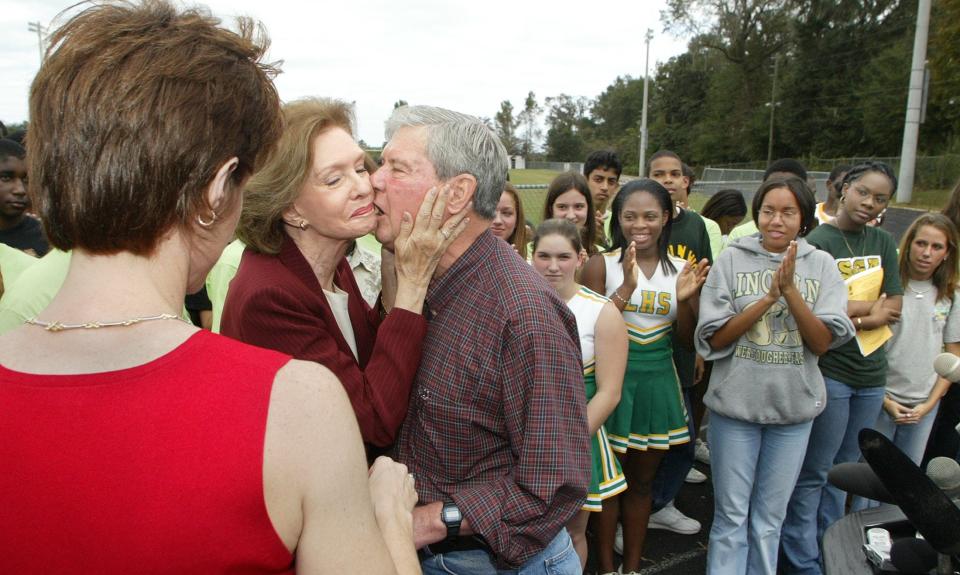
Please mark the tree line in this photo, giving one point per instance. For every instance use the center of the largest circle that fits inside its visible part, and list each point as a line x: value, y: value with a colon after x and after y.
x: 835, y: 73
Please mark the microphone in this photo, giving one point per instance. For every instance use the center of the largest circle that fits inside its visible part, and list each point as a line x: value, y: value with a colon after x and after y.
x: 858, y: 479
x: 947, y: 366
x: 913, y: 556
x: 926, y: 506
x: 945, y: 473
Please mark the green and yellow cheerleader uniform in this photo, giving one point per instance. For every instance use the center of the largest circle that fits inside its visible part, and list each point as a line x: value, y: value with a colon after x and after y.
x: 607, y: 478
x: 651, y: 413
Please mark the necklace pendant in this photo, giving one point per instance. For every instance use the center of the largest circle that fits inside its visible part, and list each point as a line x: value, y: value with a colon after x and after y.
x: 918, y: 296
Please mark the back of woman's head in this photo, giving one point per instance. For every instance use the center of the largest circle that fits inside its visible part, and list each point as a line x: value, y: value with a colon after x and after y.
x: 134, y: 111
x: 727, y: 202
x: 618, y: 237
x: 945, y: 276
x: 276, y: 186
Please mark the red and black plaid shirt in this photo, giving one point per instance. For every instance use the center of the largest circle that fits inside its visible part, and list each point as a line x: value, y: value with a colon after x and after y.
x: 497, y: 420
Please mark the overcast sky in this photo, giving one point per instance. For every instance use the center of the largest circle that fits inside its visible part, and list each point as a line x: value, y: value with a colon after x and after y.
x: 467, y: 56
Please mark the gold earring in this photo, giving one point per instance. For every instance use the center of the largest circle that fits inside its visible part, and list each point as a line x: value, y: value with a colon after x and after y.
x: 213, y: 218
x: 303, y: 225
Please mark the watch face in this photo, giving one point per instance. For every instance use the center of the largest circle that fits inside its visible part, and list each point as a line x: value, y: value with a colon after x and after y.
x: 451, y: 514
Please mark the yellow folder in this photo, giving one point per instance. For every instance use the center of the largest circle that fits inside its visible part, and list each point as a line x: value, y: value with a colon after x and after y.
x: 865, y: 286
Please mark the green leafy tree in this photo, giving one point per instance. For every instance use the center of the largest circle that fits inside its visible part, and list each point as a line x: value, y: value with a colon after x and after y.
x: 566, y: 120
x: 506, y: 127
x: 530, y: 120
x: 615, y: 117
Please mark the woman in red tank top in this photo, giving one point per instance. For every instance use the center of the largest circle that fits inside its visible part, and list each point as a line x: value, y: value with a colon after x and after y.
x: 131, y: 442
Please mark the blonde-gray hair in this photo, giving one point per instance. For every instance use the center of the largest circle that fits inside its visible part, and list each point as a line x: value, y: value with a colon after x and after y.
x: 277, y: 185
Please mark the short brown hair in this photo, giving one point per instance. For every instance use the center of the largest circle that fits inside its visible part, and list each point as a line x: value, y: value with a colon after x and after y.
x: 277, y: 185
x: 131, y: 115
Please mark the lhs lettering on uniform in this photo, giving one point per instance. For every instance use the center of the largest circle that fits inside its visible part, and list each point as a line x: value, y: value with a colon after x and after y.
x: 652, y: 302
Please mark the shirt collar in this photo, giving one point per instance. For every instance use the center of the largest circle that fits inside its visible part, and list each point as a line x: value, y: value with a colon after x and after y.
x: 457, y: 277
x: 361, y: 257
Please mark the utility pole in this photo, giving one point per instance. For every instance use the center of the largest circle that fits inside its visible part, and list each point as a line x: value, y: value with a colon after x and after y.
x: 41, y: 30
x: 911, y: 127
x: 773, y: 107
x: 643, y: 117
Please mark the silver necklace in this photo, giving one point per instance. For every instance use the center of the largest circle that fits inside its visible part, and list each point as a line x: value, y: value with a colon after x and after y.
x: 918, y: 293
x: 60, y: 326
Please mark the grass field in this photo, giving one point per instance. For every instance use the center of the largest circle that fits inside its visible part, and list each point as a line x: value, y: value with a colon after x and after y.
x: 526, y: 177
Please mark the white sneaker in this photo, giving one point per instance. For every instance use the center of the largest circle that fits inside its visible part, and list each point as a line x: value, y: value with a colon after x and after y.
x: 618, y: 540
x: 701, y: 452
x: 695, y: 476
x: 671, y: 519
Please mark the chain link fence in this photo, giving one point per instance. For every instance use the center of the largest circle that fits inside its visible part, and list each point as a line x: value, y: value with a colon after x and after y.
x: 931, y: 172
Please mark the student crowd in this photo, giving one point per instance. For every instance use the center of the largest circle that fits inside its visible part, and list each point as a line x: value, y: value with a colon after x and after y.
x: 399, y: 373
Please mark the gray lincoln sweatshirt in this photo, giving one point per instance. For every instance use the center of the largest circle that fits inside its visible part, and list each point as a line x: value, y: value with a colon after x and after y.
x: 768, y: 376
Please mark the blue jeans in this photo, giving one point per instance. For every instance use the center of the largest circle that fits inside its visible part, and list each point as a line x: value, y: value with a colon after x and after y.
x: 754, y: 468
x: 676, y: 464
x: 910, y: 438
x: 815, y: 505
x: 557, y: 558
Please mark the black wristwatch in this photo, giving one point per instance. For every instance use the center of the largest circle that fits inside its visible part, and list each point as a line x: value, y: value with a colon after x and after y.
x: 452, y: 518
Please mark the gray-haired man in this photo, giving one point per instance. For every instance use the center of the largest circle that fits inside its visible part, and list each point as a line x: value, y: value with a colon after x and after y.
x: 496, y: 431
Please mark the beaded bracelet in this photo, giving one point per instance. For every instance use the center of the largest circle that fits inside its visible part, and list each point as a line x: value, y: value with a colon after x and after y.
x: 617, y: 296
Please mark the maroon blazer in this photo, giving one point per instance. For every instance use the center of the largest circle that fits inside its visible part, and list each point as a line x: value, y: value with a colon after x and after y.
x: 276, y: 302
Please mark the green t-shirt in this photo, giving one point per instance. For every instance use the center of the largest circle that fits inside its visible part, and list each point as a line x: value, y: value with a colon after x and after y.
x: 855, y: 252
x: 688, y: 241
x: 747, y: 228
x: 219, y: 277
x: 14, y: 262
x: 716, y: 237
x: 33, y: 290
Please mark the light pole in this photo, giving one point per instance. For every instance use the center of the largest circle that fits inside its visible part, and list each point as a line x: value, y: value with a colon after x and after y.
x: 911, y: 127
x: 41, y: 31
x: 643, y: 114
x: 773, y: 106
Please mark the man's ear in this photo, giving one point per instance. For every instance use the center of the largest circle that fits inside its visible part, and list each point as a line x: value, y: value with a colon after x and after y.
x: 463, y: 188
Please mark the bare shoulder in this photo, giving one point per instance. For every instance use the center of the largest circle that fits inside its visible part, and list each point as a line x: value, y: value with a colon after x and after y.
x: 312, y: 446
x: 307, y: 392
x: 611, y: 318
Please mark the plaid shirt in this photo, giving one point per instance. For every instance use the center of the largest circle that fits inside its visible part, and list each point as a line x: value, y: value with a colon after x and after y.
x: 497, y: 420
